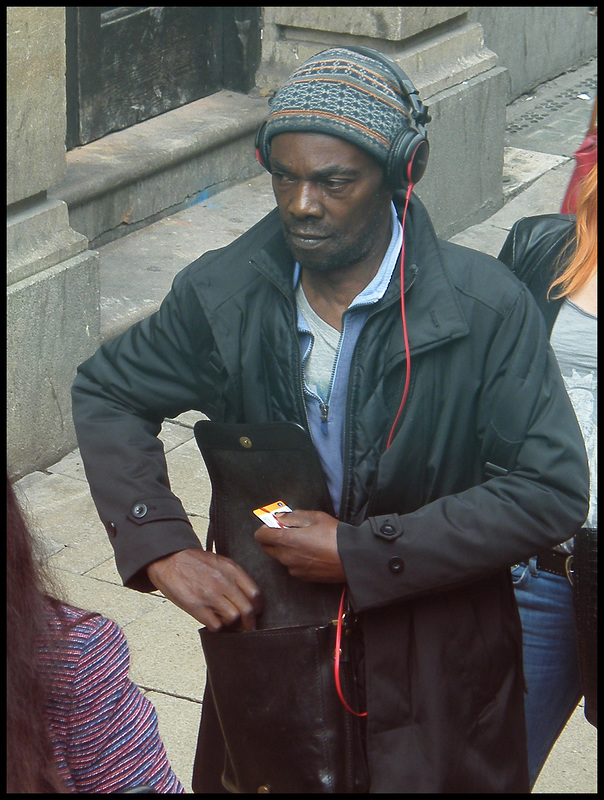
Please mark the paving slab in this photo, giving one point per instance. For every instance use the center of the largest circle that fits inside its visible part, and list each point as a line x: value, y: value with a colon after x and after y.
x: 109, y: 598
x: 523, y: 167
x: 178, y: 726
x: 166, y: 651
x: 541, y: 195
x: 572, y: 766
x: 189, y: 479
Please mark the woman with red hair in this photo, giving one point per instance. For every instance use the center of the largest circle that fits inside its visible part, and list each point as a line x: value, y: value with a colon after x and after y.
x: 556, y: 255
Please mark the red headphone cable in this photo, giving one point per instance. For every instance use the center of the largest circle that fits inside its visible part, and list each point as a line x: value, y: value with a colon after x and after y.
x: 406, y: 389
x: 338, y: 653
x: 405, y: 337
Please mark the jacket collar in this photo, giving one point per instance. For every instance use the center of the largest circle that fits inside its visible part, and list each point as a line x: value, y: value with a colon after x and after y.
x: 433, y: 312
x: 432, y: 307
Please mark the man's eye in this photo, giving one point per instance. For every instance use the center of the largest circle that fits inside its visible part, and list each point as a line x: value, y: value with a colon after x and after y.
x: 335, y: 184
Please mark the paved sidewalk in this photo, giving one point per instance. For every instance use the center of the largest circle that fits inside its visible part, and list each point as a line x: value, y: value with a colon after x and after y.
x: 167, y: 662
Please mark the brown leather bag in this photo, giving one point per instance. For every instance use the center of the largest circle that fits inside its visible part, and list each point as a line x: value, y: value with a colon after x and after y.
x: 284, y: 727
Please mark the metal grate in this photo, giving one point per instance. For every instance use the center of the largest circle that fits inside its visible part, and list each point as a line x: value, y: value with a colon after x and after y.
x: 542, y: 110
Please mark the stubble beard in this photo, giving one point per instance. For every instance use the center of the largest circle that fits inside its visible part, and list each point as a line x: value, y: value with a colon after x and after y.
x: 340, y: 255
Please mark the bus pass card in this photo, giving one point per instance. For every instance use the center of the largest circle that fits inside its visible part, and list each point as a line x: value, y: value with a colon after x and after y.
x: 267, y: 513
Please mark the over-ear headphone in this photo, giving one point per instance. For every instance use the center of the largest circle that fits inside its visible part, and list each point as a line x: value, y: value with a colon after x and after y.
x: 408, y: 154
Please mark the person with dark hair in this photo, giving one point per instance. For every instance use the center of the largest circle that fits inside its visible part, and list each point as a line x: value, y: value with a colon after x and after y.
x: 556, y: 255
x: 75, y: 722
x: 422, y: 372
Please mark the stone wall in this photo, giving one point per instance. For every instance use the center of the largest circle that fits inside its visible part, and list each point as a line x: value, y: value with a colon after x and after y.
x: 53, y: 319
x: 537, y: 43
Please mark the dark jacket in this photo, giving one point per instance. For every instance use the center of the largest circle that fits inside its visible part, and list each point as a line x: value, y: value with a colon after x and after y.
x: 533, y: 250
x: 488, y: 466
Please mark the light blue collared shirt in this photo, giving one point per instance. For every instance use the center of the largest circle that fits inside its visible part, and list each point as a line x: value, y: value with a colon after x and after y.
x: 326, y: 415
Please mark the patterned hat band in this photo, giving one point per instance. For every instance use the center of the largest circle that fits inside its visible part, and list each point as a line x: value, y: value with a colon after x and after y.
x: 345, y: 94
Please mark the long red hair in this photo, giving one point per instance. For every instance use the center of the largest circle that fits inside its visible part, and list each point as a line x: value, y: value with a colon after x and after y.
x: 584, y: 260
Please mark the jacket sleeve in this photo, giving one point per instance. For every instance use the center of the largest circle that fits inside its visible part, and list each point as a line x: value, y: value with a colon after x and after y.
x: 508, y: 253
x: 533, y: 495
x: 533, y: 248
x: 159, y: 368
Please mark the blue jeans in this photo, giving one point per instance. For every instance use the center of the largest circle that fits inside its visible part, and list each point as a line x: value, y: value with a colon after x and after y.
x: 551, y: 664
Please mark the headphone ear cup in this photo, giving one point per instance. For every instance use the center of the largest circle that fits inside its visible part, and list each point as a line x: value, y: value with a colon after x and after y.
x: 407, y: 158
x: 262, y: 151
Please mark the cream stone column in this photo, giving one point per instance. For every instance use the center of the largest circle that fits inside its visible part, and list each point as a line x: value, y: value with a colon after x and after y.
x: 53, y: 315
x: 457, y: 77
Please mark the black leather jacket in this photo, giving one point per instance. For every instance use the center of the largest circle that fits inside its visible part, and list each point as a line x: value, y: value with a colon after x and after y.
x: 533, y: 251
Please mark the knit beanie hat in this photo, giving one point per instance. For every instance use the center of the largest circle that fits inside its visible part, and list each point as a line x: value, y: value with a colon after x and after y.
x: 342, y: 93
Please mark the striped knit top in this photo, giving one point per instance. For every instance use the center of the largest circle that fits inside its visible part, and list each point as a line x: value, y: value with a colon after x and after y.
x: 104, y: 731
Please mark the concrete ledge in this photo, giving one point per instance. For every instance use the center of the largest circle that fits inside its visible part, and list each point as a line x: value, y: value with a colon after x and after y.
x: 134, y: 177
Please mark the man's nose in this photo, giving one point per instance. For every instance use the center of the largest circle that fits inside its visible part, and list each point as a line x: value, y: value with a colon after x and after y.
x: 305, y: 200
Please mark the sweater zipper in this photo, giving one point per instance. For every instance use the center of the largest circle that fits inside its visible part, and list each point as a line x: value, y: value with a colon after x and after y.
x: 324, y: 405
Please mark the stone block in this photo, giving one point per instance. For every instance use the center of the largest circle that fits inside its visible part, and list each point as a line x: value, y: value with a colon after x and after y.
x: 35, y: 108
x: 537, y: 43
x: 445, y: 60
x: 462, y: 184
x: 71, y: 466
x: 53, y: 324
x: 380, y: 22
x: 446, y: 40
x: 168, y: 245
x: 38, y: 236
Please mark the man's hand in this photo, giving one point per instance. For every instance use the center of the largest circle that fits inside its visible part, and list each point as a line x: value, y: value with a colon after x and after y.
x: 307, y: 546
x: 209, y: 587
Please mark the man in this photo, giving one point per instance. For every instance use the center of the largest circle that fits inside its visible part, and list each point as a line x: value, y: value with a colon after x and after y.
x: 302, y: 319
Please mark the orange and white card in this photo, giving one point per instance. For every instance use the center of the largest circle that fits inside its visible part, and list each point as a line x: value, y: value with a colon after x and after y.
x: 266, y: 514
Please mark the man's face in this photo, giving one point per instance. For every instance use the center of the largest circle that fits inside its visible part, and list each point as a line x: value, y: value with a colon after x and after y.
x: 333, y: 202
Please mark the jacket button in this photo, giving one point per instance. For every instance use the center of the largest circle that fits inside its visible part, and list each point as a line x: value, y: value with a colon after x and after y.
x: 396, y: 565
x: 139, y: 510
x: 388, y: 529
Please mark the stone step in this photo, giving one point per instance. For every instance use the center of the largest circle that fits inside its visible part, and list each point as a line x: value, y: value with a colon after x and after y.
x: 131, y: 178
x: 137, y: 270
